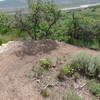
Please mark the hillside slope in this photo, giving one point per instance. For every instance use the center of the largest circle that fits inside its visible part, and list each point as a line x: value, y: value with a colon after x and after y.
x: 16, y: 61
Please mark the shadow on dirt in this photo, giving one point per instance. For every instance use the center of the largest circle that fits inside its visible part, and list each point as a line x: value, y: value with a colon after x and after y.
x: 31, y: 48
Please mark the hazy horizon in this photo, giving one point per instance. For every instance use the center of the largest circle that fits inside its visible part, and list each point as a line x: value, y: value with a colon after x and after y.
x: 61, y: 3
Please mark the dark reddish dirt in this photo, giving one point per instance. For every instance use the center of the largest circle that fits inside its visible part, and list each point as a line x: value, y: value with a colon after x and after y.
x: 16, y: 61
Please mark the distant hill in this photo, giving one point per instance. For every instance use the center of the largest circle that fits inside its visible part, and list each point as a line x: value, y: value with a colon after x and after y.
x: 12, y: 3
x: 61, y: 3
x: 71, y: 3
x: 76, y: 1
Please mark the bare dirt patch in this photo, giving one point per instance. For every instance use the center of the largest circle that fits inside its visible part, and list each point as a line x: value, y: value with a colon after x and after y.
x: 16, y: 61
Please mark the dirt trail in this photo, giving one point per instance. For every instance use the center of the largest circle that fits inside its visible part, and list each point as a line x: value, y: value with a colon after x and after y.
x: 16, y: 60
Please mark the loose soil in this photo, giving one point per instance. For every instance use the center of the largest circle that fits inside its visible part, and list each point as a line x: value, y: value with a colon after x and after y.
x: 16, y: 76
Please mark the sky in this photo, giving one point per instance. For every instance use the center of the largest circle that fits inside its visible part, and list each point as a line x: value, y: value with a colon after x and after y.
x: 2, y: 0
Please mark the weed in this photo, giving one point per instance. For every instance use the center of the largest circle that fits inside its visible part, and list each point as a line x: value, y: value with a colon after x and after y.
x: 43, y: 66
x: 94, y: 87
x: 71, y: 96
x: 65, y: 70
x: 40, y: 71
x: 45, y: 63
x: 44, y: 93
x: 76, y: 76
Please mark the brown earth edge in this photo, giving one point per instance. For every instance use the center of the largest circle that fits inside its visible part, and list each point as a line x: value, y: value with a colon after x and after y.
x: 16, y: 61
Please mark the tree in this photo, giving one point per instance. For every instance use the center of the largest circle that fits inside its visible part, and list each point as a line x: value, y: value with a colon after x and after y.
x: 30, y: 2
x: 97, y: 33
x: 4, y: 23
x: 40, y: 19
x: 79, y: 31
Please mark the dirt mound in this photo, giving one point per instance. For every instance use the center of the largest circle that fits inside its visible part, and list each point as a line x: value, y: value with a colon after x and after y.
x: 15, y: 81
x: 28, y: 47
x: 22, y: 48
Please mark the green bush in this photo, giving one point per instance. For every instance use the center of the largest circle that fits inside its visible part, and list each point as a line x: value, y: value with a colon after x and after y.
x: 86, y: 64
x: 97, y: 64
x: 43, y: 66
x: 71, y: 96
x: 94, y: 66
x: 94, y: 87
x: 45, y: 63
x: 4, y: 23
x: 80, y: 61
x: 65, y: 70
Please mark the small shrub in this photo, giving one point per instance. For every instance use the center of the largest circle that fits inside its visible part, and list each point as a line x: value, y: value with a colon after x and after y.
x: 94, y: 87
x: 81, y: 61
x: 65, y: 70
x: 40, y: 71
x: 44, y: 93
x: 45, y: 63
x: 42, y: 67
x: 94, y: 66
x: 86, y: 64
x: 33, y: 67
x: 97, y: 64
x: 71, y: 96
x: 76, y: 76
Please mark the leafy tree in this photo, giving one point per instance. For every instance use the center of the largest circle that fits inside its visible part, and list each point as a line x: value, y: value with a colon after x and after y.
x: 42, y: 16
x: 79, y: 30
x: 4, y: 23
x: 97, y: 33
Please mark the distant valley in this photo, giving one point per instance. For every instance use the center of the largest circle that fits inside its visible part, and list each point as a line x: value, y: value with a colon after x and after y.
x: 12, y: 3
x: 5, y: 4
